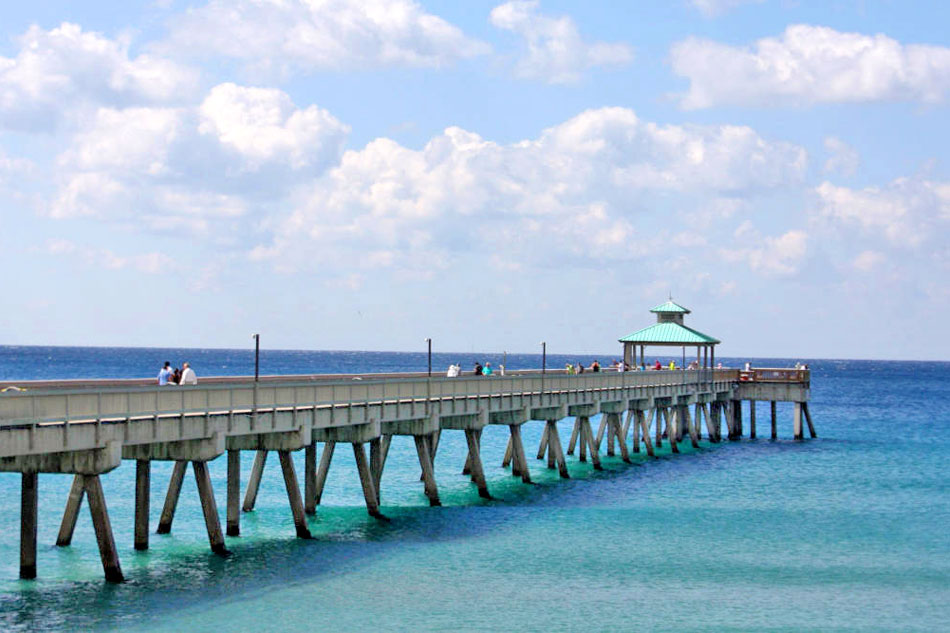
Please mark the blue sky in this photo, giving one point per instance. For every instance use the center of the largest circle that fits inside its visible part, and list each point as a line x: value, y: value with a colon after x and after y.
x: 361, y: 175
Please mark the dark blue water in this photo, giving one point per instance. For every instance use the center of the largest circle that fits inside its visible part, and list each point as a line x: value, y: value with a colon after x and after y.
x: 843, y: 533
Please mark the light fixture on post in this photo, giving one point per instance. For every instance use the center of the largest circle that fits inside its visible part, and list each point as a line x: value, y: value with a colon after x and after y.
x: 429, y: 341
x: 257, y: 355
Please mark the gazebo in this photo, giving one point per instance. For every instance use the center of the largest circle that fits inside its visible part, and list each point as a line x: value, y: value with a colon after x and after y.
x: 669, y: 331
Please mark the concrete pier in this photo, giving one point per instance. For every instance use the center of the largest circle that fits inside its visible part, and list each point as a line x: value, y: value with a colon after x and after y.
x: 85, y: 429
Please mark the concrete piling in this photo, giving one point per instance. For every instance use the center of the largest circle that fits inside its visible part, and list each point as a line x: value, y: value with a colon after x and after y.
x: 71, y: 513
x: 366, y: 480
x: 428, y: 474
x: 325, y: 458
x: 233, y: 510
x: 103, y: 528
x: 142, y: 489
x: 293, y: 494
x: 254, y: 483
x: 209, y: 508
x: 310, y: 478
x: 517, y: 449
x: 811, y: 427
x: 171, y: 497
x: 29, y: 507
x: 473, y: 438
x: 774, y: 426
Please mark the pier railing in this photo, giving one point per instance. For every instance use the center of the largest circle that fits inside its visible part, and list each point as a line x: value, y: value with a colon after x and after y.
x: 46, y: 402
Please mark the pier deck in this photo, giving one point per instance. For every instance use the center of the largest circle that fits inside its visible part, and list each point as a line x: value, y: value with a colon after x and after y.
x: 85, y: 428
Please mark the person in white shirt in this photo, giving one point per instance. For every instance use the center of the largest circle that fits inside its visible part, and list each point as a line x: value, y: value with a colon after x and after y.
x: 188, y: 376
x: 453, y: 371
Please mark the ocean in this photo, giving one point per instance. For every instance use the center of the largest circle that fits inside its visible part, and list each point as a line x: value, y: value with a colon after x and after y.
x: 847, y: 532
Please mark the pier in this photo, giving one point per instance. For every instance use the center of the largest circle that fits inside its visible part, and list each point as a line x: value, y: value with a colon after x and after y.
x: 86, y: 428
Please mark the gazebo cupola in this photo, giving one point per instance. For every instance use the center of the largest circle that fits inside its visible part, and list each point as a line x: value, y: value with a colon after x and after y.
x: 669, y: 331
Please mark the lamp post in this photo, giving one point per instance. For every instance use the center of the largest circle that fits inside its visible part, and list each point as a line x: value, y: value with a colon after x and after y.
x: 544, y: 356
x: 257, y: 355
x: 429, y: 341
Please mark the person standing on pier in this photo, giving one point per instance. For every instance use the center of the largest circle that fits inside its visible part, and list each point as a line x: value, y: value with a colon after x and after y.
x: 595, y: 366
x: 165, y: 374
x: 188, y: 376
x: 478, y: 368
x: 488, y: 370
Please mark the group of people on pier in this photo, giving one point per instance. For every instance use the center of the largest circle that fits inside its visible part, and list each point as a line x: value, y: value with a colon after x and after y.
x: 169, y: 375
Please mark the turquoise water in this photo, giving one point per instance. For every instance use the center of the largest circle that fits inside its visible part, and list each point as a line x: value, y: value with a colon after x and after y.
x: 843, y: 533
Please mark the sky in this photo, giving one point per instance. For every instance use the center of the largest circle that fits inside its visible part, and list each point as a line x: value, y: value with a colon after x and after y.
x: 343, y: 174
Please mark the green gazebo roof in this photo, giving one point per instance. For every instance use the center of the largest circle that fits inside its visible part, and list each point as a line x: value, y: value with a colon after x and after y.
x: 669, y: 333
x: 670, y: 306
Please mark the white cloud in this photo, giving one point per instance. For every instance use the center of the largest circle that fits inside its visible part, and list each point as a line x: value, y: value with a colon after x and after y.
x: 867, y: 261
x: 151, y: 263
x: 137, y: 139
x: 906, y: 213
x: 307, y: 35
x: 781, y: 255
x: 262, y: 124
x: 575, y: 191
x: 842, y: 157
x: 57, y: 71
x: 811, y: 64
x: 555, y: 51
x: 713, y: 8
x: 197, y: 170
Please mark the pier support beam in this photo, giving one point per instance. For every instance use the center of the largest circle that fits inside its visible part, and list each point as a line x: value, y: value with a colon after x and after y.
x: 587, y: 441
x: 519, y: 461
x: 428, y: 474
x: 73, y: 504
x: 555, y: 451
x: 690, y: 427
x: 310, y: 478
x: 378, y: 452
x: 473, y: 438
x: 644, y: 422
x: 171, y: 497
x: 209, y: 508
x: 143, y: 469
x: 658, y: 420
x: 103, y: 528
x: 751, y: 419
x: 325, y: 458
x: 543, y: 447
x: 774, y: 425
x: 811, y: 427
x: 572, y: 444
x: 797, y: 421
x: 293, y: 494
x: 366, y: 479
x: 614, y: 432
x: 672, y: 428
x: 29, y: 506
x: 257, y: 470
x: 233, y: 511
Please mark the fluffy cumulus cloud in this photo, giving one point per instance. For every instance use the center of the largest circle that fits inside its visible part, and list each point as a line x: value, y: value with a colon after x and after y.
x: 555, y: 51
x: 906, y: 213
x: 280, y: 36
x: 774, y: 255
x: 811, y: 64
x: 67, y: 65
x: 262, y: 124
x: 198, y: 169
x: 842, y: 158
x: 575, y: 190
